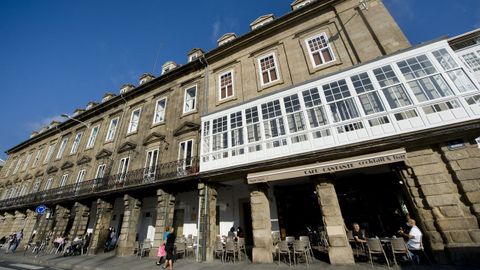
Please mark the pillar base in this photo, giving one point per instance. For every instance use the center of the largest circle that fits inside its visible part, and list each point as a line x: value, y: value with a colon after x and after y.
x: 262, y: 255
x: 341, y: 256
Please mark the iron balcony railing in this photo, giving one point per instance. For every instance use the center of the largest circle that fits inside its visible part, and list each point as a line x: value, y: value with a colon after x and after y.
x: 136, y: 178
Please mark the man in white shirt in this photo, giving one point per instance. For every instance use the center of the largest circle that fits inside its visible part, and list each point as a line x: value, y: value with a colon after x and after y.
x: 414, y: 243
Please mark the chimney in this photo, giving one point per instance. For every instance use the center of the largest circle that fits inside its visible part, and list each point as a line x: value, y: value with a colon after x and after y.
x: 262, y: 20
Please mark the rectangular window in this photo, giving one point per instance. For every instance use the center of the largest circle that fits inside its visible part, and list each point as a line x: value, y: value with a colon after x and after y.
x: 185, y: 154
x: 295, y: 119
x: 63, y: 180
x: 461, y: 80
x: 134, y: 120
x: 429, y: 88
x: 206, y: 139
x: 442, y: 106
x: 416, y: 67
x: 315, y: 112
x: 385, y: 76
x: 472, y: 60
x: 236, y: 132
x: 29, y: 156
x: 92, y: 137
x: 369, y: 98
x: 473, y: 100
x: 63, y: 145
x: 254, y: 133
x: 445, y: 59
x: 76, y: 143
x: 151, y: 165
x: 17, y: 166
x: 80, y: 178
x: 220, y: 136
x: 268, y: 69
x: 343, y: 108
x: 123, y: 169
x: 396, y: 96
x: 160, y: 107
x: 225, y: 81
x: 100, y: 171
x: 112, y: 128
x: 190, y: 99
x: 37, y: 157
x: 320, y: 50
x: 48, y: 184
x: 273, y: 123
x: 36, y: 185
x: 49, y: 153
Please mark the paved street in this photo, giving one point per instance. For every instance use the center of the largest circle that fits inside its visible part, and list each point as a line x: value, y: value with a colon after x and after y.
x: 108, y: 261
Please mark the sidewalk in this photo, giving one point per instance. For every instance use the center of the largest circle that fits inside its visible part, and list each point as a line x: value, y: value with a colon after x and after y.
x: 109, y: 261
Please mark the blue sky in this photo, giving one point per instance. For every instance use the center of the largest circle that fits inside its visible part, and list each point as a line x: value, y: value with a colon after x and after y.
x: 56, y: 56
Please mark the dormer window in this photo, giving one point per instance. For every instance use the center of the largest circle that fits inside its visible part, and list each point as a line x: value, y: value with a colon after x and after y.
x: 226, y: 38
x: 146, y: 77
x: 194, y: 54
x: 125, y: 88
x: 107, y: 96
x: 90, y: 105
x: 261, y: 21
x: 300, y: 3
x: 193, y: 57
x: 168, y: 66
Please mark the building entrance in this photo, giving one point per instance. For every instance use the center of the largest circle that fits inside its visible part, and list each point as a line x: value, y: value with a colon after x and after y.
x: 374, y: 198
x: 298, y: 209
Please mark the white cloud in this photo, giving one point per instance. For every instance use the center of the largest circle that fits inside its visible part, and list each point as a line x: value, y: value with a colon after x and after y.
x: 216, y: 30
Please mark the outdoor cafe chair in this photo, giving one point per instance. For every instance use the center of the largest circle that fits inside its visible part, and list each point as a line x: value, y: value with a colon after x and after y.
x: 285, y: 250
x: 299, y: 248
x: 375, y: 249
x: 230, y: 249
x: 290, y: 239
x: 180, y: 248
x: 241, y: 247
x: 306, y: 240
x: 219, y: 250
x: 399, y: 247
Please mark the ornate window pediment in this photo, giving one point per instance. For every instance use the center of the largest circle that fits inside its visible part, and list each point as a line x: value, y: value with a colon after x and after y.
x: 186, y: 127
x: 52, y: 169
x: 103, y: 154
x: 83, y: 160
x: 28, y: 176
x: 67, y: 165
x: 39, y: 173
x: 153, y: 137
x: 128, y: 146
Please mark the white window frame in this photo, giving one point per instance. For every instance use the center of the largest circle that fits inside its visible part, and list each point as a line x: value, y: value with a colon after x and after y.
x: 194, y: 99
x: 186, y: 164
x: 36, y: 185
x: 122, y: 169
x: 48, y: 184
x: 154, y: 122
x: 17, y: 165
x: 329, y: 47
x: 62, y: 147
x: 111, y: 132
x: 93, y: 137
x: 220, y: 85
x: 80, y: 176
x: 131, y: 127
x: 27, y: 160
x: 97, y: 174
x: 49, y: 154
x: 191, y: 58
x: 37, y: 157
x: 76, y: 144
x: 151, y: 164
x: 277, y: 67
x: 63, y: 180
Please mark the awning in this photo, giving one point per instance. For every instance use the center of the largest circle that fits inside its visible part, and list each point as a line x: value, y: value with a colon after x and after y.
x: 331, y: 166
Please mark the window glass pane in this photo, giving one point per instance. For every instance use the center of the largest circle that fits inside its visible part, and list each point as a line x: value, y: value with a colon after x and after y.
x: 461, y: 80
x: 416, y: 67
x: 344, y: 110
x: 268, y: 69
x: 273, y: 123
x: 226, y: 85
x: 160, y: 111
x: 430, y: 88
x: 385, y: 76
x: 336, y: 90
x: 445, y: 59
x: 362, y: 83
x: 396, y: 96
x: 371, y: 103
x: 472, y: 60
x: 320, y: 50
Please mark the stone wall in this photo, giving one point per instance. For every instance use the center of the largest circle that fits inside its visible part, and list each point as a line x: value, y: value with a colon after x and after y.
x: 100, y: 234
x: 127, y: 237
x: 448, y: 224
x: 261, y: 224
x: 165, y: 210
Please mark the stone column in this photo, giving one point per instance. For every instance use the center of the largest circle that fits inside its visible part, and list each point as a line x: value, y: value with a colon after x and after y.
x: 261, y: 224
x: 208, y: 219
x: 165, y: 209
x: 131, y: 217
x: 30, y: 222
x: 449, y: 227
x: 80, y: 222
x: 62, y: 214
x: 339, y: 250
x: 100, y: 233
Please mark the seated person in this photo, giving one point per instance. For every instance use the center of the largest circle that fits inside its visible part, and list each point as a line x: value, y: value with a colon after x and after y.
x: 358, y: 234
x: 414, y: 242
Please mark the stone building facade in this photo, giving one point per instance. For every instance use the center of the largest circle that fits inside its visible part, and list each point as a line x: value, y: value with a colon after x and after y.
x: 178, y: 150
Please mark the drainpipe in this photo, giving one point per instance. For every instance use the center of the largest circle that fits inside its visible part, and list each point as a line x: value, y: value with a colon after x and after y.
x: 197, y: 253
x: 203, y: 60
x: 206, y: 222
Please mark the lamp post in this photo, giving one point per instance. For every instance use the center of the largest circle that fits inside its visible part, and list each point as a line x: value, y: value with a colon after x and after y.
x: 76, y: 120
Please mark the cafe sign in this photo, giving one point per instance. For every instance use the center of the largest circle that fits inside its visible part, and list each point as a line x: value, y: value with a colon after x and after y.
x: 332, y: 166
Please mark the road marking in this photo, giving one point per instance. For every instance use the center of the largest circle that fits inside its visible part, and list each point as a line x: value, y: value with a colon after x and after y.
x: 26, y: 266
